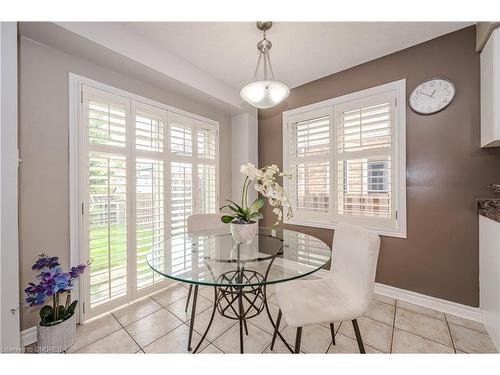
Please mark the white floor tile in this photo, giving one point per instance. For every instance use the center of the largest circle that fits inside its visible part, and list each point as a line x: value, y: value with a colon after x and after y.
x: 381, y: 311
x: 170, y: 295
x: 465, y: 323
x: 95, y: 330
x: 218, y: 327
x: 471, y: 341
x: 315, y: 339
x: 373, y: 333
x: 256, y: 341
x: 118, y: 342
x: 178, y: 308
x: 152, y: 327
x: 175, y: 342
x: 136, y: 311
x: 406, y: 342
x: 345, y: 345
x: 420, y: 310
x: 423, y: 325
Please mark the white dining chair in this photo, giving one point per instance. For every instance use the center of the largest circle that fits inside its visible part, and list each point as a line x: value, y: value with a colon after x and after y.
x: 345, y: 293
x: 200, y: 223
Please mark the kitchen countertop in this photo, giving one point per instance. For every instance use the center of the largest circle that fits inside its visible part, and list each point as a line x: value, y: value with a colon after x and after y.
x: 489, y: 207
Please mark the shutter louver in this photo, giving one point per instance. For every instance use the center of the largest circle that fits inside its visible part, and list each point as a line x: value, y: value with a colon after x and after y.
x: 181, y: 135
x: 206, y: 143
x: 363, y: 158
x: 181, y: 177
x: 107, y: 222
x: 207, y: 189
x: 310, y: 154
x: 150, y: 216
x: 364, y: 129
x: 359, y: 192
x: 106, y: 123
x: 148, y: 132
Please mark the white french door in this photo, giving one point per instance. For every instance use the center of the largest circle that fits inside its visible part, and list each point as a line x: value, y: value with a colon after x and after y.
x: 143, y: 170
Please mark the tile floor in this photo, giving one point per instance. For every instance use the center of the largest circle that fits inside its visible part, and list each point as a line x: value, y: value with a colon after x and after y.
x: 158, y: 324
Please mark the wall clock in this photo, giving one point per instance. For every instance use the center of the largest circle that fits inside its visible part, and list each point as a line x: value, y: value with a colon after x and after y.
x: 432, y: 96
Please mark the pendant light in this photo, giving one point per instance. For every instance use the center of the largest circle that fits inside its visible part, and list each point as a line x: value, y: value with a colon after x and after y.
x: 264, y: 91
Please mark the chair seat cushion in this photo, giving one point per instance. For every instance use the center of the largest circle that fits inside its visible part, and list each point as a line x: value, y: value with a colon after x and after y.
x: 327, y: 300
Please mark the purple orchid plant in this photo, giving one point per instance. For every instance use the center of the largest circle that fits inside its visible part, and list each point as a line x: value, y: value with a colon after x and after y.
x: 52, y: 282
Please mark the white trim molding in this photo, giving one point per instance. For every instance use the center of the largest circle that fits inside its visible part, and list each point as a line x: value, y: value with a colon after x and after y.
x: 448, y: 307
x: 9, y: 164
x: 29, y: 336
x: 395, y: 93
x: 79, y: 88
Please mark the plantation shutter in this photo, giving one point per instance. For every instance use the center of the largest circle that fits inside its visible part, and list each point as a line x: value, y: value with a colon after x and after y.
x: 364, y: 160
x: 107, y: 206
x: 144, y: 170
x: 310, y: 164
x: 206, y: 196
x: 182, y: 130
x: 149, y: 200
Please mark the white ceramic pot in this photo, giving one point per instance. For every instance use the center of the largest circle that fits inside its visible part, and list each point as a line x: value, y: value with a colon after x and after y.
x: 244, y: 233
x: 57, y: 338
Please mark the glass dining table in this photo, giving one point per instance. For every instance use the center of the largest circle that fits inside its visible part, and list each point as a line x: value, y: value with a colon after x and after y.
x: 239, y: 273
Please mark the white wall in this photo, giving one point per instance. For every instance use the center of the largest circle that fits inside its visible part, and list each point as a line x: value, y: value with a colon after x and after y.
x: 244, y: 149
x: 9, y: 259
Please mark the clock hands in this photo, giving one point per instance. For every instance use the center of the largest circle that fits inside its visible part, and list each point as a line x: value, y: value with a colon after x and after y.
x: 429, y: 96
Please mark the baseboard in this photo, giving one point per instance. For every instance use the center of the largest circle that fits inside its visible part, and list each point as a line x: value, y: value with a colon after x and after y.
x: 28, y: 336
x: 463, y: 311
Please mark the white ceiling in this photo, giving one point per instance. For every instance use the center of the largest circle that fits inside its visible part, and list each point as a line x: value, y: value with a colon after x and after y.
x: 302, y: 51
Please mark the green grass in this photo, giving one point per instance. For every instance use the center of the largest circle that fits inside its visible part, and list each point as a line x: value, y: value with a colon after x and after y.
x: 118, y: 244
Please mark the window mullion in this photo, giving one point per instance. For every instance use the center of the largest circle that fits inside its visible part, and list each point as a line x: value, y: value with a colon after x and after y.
x: 131, y: 195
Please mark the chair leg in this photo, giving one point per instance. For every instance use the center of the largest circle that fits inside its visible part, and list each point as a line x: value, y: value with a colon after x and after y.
x: 278, y: 321
x: 332, y: 330
x: 298, y: 338
x: 358, y: 336
x: 189, y: 297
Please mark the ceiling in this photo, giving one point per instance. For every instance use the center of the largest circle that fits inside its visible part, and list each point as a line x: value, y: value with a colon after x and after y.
x: 302, y: 51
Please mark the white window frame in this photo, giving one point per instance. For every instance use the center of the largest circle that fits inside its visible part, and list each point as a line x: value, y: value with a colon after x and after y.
x: 77, y: 180
x: 398, y: 142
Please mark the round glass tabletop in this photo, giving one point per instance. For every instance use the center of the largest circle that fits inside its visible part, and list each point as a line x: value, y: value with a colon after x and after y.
x: 213, y: 258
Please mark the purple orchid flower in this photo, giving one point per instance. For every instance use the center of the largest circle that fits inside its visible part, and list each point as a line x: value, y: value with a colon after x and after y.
x: 45, y: 262
x: 52, y: 281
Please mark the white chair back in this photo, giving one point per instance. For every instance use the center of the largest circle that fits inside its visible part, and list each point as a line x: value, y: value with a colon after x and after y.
x: 206, y: 222
x: 354, y: 257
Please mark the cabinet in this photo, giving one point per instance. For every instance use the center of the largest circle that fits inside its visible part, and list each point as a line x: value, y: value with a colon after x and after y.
x: 490, y: 91
x: 489, y: 276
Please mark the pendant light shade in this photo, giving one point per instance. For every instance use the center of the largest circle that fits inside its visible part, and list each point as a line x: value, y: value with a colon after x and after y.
x: 264, y: 94
x: 264, y: 91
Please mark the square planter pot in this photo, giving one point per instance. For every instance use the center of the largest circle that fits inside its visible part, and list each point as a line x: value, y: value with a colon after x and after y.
x: 57, y: 338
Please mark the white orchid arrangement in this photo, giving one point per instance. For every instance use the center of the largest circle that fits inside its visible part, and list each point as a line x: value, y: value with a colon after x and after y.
x: 265, y: 183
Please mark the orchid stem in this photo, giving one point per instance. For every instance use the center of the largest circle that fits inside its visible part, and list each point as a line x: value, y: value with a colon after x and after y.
x: 243, y: 193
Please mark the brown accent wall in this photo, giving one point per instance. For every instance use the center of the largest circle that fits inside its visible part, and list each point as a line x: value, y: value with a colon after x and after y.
x: 446, y: 168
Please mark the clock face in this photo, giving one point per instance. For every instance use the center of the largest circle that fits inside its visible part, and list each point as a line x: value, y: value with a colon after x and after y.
x: 432, y: 96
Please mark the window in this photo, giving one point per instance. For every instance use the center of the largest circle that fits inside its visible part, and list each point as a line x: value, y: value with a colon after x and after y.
x: 144, y: 169
x: 347, y: 157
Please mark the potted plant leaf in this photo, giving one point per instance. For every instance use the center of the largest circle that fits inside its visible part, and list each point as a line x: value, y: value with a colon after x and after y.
x: 57, y: 328
x: 243, y: 218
